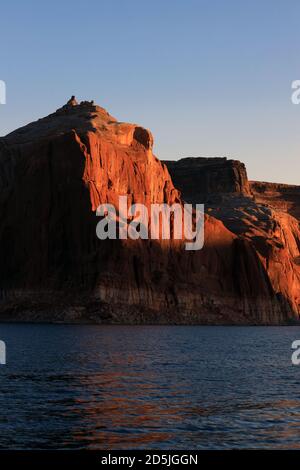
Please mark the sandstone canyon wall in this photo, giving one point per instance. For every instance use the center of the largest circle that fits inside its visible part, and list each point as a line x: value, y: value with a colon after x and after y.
x: 56, y: 171
x: 263, y: 214
x: 285, y: 197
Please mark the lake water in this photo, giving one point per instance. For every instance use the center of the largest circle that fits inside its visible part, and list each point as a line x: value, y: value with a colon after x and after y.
x: 160, y: 387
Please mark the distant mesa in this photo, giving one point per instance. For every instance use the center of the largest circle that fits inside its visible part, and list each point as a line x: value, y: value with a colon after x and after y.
x: 202, y: 177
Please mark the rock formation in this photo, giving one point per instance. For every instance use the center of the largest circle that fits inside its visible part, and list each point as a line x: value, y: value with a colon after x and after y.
x: 53, y: 175
x: 257, y: 212
x: 285, y: 197
x: 202, y: 178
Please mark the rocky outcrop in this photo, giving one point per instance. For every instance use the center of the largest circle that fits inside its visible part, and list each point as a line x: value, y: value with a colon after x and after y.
x: 53, y: 175
x: 202, y: 179
x: 285, y: 197
x: 260, y: 215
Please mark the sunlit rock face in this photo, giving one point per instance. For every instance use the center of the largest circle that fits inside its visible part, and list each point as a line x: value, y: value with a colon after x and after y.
x: 259, y: 213
x: 285, y: 197
x: 55, y: 172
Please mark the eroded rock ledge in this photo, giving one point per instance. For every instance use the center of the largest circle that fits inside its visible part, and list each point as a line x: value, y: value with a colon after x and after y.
x: 266, y: 215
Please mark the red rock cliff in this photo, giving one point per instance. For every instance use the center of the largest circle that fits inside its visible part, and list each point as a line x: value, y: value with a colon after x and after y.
x: 285, y: 197
x: 53, y: 175
x: 260, y: 214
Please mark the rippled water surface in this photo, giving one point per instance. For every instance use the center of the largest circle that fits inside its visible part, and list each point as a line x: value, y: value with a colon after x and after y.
x: 160, y: 387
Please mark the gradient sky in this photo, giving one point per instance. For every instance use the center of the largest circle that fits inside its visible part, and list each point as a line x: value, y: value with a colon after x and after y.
x: 207, y: 77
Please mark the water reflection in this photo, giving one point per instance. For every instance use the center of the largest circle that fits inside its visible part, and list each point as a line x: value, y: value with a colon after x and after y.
x: 148, y: 387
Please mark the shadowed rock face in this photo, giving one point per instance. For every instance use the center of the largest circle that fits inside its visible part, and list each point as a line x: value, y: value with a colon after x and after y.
x: 259, y: 213
x: 202, y: 178
x: 53, y: 175
x: 285, y: 197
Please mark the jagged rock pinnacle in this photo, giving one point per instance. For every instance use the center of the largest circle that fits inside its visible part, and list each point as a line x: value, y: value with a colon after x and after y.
x: 72, y: 101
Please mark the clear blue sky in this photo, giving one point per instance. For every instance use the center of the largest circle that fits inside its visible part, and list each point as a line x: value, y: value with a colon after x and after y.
x: 208, y: 77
